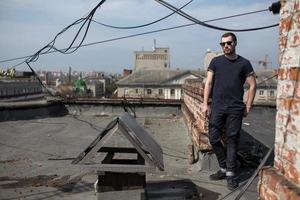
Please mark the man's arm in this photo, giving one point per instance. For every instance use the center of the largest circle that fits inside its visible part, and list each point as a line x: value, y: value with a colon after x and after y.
x: 251, y: 81
x: 207, y: 91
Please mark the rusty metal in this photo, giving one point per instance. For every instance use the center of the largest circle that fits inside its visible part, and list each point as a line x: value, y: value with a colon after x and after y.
x: 118, y: 101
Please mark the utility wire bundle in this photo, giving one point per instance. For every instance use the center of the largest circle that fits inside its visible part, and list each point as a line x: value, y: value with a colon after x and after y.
x: 51, y: 48
x: 185, y: 15
x: 86, y: 21
x: 143, y: 25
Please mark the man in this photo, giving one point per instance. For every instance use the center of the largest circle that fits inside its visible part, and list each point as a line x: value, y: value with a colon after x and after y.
x: 225, y: 80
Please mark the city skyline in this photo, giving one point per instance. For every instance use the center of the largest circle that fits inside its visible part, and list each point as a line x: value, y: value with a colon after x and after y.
x: 29, y: 25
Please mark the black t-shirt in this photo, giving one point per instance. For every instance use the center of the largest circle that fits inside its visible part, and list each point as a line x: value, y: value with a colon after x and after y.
x: 228, y: 83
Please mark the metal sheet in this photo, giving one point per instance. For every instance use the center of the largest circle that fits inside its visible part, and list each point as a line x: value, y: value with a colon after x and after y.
x: 144, y: 139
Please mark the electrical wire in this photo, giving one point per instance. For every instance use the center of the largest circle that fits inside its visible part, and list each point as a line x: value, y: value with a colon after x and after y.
x: 268, y: 78
x: 51, y: 45
x: 143, y: 25
x: 132, y: 27
x: 39, y: 80
x: 244, y: 186
x: 262, y: 163
x: 125, y: 104
x: 138, y: 34
x: 88, y: 19
x: 183, y: 14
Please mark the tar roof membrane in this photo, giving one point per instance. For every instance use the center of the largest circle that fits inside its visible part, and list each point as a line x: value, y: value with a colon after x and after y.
x: 36, y: 156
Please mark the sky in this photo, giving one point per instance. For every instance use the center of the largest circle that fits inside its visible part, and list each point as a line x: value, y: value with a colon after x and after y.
x: 28, y: 25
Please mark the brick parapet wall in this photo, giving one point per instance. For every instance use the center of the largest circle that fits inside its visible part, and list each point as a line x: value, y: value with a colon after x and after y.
x: 196, y: 122
x: 274, y: 185
x: 283, y: 181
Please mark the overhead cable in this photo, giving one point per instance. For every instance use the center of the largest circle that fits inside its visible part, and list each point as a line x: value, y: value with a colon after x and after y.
x: 143, y: 25
x: 51, y: 45
x: 268, y: 78
x: 138, y: 34
x: 245, y: 185
x: 132, y: 27
x: 202, y: 23
x: 38, y: 78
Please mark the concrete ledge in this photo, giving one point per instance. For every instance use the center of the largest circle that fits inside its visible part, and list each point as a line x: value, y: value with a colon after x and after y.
x: 23, y: 104
x: 31, y: 110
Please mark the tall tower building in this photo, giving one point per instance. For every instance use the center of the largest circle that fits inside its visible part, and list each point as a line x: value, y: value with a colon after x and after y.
x: 158, y: 59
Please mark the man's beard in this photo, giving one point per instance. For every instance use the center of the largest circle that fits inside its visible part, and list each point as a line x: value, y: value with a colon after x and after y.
x: 228, y: 52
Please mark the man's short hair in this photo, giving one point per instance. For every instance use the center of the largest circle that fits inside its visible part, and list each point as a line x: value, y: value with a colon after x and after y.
x: 230, y: 34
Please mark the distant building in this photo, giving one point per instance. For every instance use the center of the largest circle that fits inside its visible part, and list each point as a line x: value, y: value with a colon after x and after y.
x: 96, y: 89
x: 158, y: 59
x: 19, y: 87
x: 209, y: 55
x: 266, y: 91
x: 162, y: 84
x: 97, y: 85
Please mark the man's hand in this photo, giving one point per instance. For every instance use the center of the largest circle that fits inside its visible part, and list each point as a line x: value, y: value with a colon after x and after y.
x: 205, y: 110
x: 207, y: 90
x: 251, y: 81
x: 247, y: 110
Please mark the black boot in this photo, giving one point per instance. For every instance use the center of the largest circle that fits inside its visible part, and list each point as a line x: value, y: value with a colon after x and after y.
x: 219, y: 175
x: 232, y: 182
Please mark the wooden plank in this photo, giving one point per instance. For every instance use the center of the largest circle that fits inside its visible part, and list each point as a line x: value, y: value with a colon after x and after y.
x: 119, y: 150
x: 121, y: 168
x: 99, y: 137
x: 100, y: 143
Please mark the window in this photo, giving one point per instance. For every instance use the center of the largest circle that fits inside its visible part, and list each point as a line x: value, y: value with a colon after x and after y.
x: 160, y: 91
x: 261, y: 92
x: 272, y: 94
x: 149, y: 91
x: 136, y: 91
x: 166, y: 65
x: 172, y: 92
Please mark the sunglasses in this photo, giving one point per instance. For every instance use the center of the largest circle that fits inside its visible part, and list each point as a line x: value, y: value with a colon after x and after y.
x: 228, y: 43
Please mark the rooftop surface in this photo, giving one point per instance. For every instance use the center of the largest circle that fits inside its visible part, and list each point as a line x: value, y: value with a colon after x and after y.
x: 36, y: 156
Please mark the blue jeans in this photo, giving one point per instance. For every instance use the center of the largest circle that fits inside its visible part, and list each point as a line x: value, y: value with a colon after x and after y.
x: 230, y: 123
